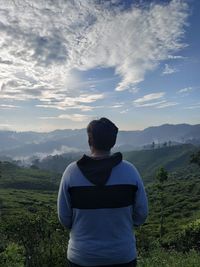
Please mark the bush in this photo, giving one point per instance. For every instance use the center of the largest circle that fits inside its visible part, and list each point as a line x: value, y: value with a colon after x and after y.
x: 13, y: 256
x: 162, y: 258
x: 189, y: 238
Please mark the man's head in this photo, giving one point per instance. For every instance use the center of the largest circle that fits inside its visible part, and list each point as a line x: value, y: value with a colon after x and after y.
x: 102, y: 134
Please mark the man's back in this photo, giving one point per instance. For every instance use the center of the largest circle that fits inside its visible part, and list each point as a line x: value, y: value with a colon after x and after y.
x: 100, y: 200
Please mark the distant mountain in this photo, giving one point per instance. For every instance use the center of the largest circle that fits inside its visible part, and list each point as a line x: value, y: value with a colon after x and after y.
x: 26, y: 144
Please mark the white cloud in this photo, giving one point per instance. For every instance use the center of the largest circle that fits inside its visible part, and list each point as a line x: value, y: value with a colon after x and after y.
x: 149, y: 97
x: 43, y: 43
x: 124, y: 111
x: 194, y: 106
x: 167, y: 104
x: 6, y: 106
x: 75, y: 117
x: 146, y: 101
x: 5, y: 126
x: 71, y: 117
x: 152, y: 104
x: 186, y: 90
x: 169, y: 70
x: 61, y: 102
x: 175, y: 57
x: 79, y: 107
x: 117, y: 105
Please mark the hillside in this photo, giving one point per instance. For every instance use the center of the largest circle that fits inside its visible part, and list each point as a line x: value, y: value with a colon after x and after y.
x: 29, y: 220
x: 147, y: 161
x: 27, y: 190
x: 12, y: 176
x: 172, y: 158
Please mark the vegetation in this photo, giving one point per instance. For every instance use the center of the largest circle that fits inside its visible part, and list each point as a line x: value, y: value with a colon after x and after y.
x: 147, y: 161
x: 172, y: 158
x: 31, y: 235
x: 163, y: 258
x: 195, y: 158
x: 161, y: 177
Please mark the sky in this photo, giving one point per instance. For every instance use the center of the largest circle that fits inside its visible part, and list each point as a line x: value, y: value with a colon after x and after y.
x: 64, y: 63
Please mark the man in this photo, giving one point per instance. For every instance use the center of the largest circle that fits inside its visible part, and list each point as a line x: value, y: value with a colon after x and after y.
x: 100, y: 198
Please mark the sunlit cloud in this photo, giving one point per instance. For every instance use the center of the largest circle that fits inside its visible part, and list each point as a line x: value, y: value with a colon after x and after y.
x: 85, y: 57
x: 43, y: 44
x: 5, y: 126
x: 71, y: 117
x: 56, y: 101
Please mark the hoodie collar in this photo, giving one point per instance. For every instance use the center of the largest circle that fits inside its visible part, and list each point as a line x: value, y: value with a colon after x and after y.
x: 98, y: 171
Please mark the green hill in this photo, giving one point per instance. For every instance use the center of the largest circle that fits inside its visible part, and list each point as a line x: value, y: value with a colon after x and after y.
x: 28, y: 209
x: 16, y: 177
x: 171, y: 158
x: 147, y: 161
x: 181, y: 203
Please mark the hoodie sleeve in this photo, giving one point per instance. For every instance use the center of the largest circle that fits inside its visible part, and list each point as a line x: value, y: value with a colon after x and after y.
x: 63, y: 202
x: 140, y: 206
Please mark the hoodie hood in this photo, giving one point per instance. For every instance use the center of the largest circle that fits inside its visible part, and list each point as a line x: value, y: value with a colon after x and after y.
x: 98, y: 171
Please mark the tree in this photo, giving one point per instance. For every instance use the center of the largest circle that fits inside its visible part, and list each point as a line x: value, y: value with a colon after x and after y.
x: 0, y: 169
x: 153, y: 145
x: 195, y: 158
x: 165, y: 144
x: 13, y: 255
x: 188, y: 238
x: 161, y: 177
x: 40, y: 235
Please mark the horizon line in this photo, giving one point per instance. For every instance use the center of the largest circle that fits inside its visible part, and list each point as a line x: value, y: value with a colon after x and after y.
x: 74, y: 129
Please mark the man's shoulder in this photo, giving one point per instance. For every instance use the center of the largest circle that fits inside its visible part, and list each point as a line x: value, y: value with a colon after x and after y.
x: 70, y: 169
x: 126, y: 172
x: 128, y: 165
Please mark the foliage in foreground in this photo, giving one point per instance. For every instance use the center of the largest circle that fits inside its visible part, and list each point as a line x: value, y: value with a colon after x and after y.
x: 162, y: 258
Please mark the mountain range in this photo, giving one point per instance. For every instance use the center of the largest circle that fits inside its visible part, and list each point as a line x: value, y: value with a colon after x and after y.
x: 27, y: 144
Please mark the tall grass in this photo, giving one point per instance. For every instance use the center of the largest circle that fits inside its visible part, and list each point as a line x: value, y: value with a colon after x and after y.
x: 161, y: 258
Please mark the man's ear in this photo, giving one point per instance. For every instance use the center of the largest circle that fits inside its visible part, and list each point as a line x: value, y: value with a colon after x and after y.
x: 89, y: 141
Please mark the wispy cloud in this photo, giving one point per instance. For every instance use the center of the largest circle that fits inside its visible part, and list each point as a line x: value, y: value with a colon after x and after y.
x: 186, y: 90
x: 169, y: 70
x: 71, y: 117
x: 149, y: 97
x: 124, y: 111
x: 6, y: 106
x: 5, y: 126
x: 193, y: 106
x: 152, y: 104
x: 176, y: 57
x: 61, y: 102
x: 75, y: 117
x: 43, y: 44
x: 147, y: 101
x: 167, y: 104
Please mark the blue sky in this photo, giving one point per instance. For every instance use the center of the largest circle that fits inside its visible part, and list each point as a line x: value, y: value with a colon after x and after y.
x: 64, y: 63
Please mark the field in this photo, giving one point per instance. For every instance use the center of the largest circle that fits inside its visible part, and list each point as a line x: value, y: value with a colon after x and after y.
x: 32, y: 235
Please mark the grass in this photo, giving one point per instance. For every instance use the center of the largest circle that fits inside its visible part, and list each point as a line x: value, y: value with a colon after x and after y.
x: 161, y: 258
